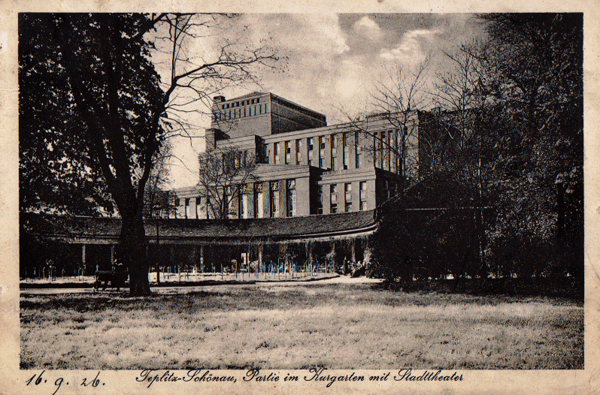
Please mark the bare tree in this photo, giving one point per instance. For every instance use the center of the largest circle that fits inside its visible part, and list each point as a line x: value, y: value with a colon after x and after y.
x: 224, y: 176
x: 197, y: 73
x: 159, y: 199
x: 461, y: 93
x: 396, y: 99
x: 158, y: 203
x: 457, y: 143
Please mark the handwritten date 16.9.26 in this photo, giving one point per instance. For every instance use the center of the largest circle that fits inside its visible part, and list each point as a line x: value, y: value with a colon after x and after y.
x: 42, y: 381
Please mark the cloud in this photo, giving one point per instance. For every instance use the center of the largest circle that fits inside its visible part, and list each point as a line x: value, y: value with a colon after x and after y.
x: 367, y: 27
x: 309, y: 33
x: 411, y: 47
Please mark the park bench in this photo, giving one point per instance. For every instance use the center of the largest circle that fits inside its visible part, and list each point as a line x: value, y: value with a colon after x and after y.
x: 104, y: 277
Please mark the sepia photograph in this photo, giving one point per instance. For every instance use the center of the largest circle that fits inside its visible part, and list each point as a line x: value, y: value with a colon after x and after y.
x: 253, y: 192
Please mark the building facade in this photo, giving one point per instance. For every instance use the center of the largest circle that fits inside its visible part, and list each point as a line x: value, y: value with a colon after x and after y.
x: 294, y: 192
x: 300, y: 165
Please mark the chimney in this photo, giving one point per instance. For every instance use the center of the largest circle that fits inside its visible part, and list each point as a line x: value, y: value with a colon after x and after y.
x: 219, y: 99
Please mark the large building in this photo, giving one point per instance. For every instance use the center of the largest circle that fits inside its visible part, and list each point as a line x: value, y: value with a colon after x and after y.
x: 300, y: 165
x: 277, y: 188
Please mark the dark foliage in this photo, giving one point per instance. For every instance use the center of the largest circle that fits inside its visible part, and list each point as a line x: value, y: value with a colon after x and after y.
x: 90, y: 105
x: 509, y: 139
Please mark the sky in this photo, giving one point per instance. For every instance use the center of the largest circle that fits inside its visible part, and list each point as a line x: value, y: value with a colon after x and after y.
x: 330, y: 63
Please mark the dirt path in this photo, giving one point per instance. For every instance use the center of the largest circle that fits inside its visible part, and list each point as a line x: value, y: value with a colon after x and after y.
x: 194, y: 288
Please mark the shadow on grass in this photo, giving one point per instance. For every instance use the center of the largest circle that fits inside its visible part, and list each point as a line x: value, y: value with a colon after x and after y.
x: 567, y: 288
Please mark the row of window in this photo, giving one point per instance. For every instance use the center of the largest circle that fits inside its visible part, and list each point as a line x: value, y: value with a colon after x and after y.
x: 347, y: 203
x: 274, y: 205
x: 388, y: 152
x: 286, y: 156
x: 386, y: 155
x: 243, y: 112
x: 240, y: 103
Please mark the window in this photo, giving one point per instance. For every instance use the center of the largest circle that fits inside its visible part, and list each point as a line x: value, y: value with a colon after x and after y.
x: 363, y: 196
x: 393, y: 150
x: 320, y: 201
x: 333, y: 145
x: 258, y: 200
x: 288, y: 152
x: 375, y: 145
x: 346, y: 149
x: 291, y: 198
x: 311, y: 147
x: 225, y: 161
x: 388, y: 151
x: 333, y: 152
x: 333, y: 198
x: 321, y: 152
x: 243, y: 203
x: 382, y: 156
x: 298, y: 151
x: 274, y: 196
x: 276, y: 148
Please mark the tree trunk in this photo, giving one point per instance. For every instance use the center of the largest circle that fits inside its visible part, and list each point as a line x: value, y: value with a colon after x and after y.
x: 157, y: 254
x: 133, y: 245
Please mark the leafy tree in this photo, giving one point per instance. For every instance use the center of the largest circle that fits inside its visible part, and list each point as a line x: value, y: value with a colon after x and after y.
x: 509, y: 133
x: 93, y: 108
x: 535, y: 68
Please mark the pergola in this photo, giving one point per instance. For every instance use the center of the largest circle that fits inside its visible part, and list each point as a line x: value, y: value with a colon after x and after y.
x: 199, y: 238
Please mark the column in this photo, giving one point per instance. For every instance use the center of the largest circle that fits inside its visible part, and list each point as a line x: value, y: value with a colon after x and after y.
x: 271, y: 152
x: 83, y: 258
x: 326, y: 198
x: 355, y: 195
x: 201, y: 258
x: 293, y: 152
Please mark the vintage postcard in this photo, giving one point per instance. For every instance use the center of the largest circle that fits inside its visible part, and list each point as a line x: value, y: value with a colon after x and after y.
x: 234, y: 197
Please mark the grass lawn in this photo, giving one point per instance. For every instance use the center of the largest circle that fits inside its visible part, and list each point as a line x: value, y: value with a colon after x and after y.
x: 336, y: 326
